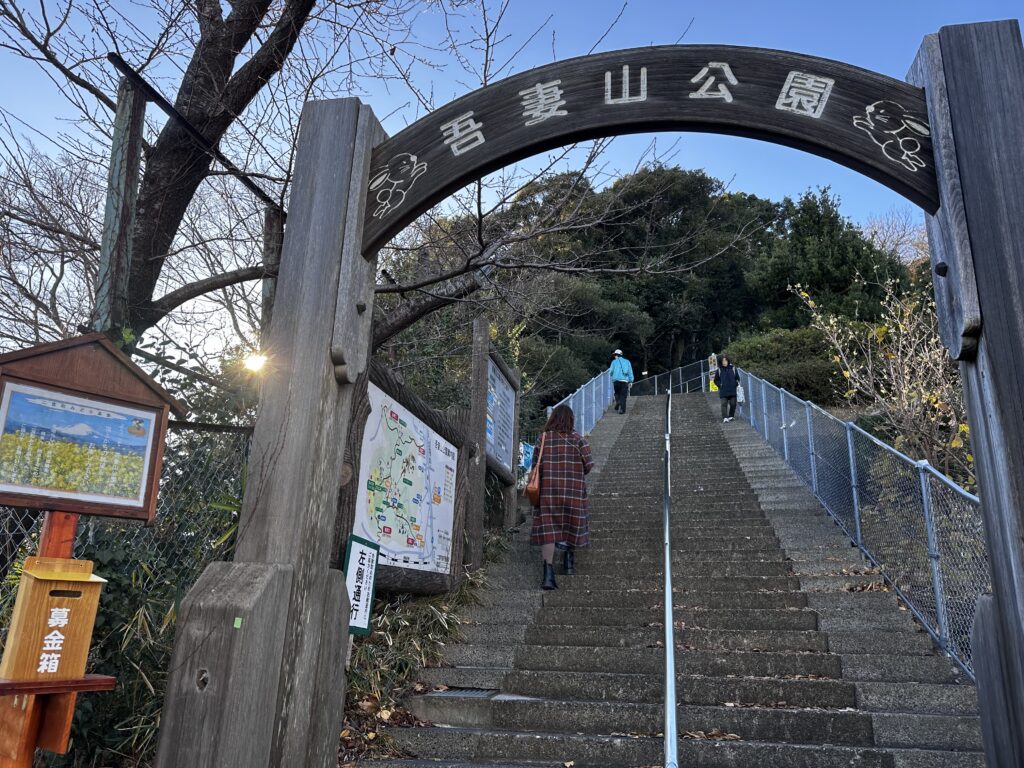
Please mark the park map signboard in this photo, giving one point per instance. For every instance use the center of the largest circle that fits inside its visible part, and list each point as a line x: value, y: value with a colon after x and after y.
x: 406, y: 501
x: 501, y: 416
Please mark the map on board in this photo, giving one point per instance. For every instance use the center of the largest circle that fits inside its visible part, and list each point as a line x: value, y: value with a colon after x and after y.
x: 406, y: 498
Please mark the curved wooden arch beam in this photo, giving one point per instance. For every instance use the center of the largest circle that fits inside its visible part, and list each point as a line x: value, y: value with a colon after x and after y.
x: 866, y: 121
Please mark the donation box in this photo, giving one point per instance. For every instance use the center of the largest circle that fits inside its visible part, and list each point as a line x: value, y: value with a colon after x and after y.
x: 53, y: 620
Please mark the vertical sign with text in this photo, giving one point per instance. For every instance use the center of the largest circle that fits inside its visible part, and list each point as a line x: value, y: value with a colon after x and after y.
x: 360, y: 577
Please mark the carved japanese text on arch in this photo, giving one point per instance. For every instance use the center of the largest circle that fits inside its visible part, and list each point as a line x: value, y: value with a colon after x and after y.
x: 897, y: 131
x: 812, y: 104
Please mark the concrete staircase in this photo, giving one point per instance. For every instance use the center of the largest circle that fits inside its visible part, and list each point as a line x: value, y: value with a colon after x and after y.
x: 788, y: 654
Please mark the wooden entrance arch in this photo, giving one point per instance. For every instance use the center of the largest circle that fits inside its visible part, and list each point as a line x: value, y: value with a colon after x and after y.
x: 871, y: 123
x: 257, y: 673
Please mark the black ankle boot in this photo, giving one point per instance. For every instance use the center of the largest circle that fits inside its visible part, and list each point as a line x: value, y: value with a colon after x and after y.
x: 549, y: 577
x: 569, y: 563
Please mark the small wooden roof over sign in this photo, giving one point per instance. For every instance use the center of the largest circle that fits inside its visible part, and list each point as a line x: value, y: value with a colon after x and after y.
x: 90, y: 364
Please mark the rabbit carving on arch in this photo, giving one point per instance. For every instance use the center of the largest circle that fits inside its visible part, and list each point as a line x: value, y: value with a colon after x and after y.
x: 393, y: 181
x: 896, y: 131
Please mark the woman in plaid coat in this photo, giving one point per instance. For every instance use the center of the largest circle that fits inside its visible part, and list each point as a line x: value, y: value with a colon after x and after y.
x: 561, y: 517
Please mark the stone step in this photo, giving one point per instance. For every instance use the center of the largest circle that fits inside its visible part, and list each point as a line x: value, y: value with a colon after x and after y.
x: 691, y: 662
x: 690, y: 689
x: 597, y: 578
x: 800, y: 726
x: 679, y: 523
x: 464, y: 677
x: 735, y: 598
x: 487, y: 747
x: 729, y: 618
x: 917, y: 697
x: 898, y: 669
x: 700, y: 639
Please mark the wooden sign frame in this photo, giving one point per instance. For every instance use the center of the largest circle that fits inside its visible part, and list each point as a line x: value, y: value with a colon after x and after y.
x: 71, y: 388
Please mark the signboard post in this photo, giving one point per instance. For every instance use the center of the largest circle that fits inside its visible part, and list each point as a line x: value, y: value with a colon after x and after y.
x: 501, y: 416
x: 360, y: 579
x: 502, y: 430
x: 81, y: 432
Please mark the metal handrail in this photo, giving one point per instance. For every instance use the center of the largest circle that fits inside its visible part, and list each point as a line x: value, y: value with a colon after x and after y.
x: 671, y: 740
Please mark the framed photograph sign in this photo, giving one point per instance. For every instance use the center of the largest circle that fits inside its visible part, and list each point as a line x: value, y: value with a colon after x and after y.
x: 54, y: 443
x: 81, y: 430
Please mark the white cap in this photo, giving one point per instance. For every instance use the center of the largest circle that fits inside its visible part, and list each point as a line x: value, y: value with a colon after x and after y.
x: 617, y: 352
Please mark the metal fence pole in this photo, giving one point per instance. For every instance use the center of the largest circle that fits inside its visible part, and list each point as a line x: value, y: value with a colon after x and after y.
x: 751, y: 400
x: 588, y: 405
x: 933, y: 556
x: 764, y: 409
x: 785, y: 426
x: 810, y: 448
x: 858, y: 540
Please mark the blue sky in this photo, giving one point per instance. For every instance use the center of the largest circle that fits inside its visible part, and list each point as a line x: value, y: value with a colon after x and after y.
x: 877, y: 35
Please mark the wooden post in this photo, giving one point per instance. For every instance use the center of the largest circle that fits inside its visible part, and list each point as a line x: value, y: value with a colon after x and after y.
x: 974, y: 79
x: 258, y: 669
x: 476, y: 434
x: 507, y: 477
x: 119, y: 216
x: 40, y: 721
x: 273, y: 242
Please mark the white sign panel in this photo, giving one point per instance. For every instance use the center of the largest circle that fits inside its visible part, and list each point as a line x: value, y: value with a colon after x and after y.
x: 360, y: 576
x: 406, y: 500
x: 501, y: 416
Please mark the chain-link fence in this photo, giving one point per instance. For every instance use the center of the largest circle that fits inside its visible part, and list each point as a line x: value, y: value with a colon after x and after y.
x: 589, y: 402
x: 197, y: 510
x: 692, y: 377
x: 920, y: 529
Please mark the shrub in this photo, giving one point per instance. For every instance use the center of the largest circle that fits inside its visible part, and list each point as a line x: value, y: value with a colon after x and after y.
x: 797, y: 360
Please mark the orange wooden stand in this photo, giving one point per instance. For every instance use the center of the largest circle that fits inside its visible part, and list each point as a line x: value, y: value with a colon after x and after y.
x: 37, y: 714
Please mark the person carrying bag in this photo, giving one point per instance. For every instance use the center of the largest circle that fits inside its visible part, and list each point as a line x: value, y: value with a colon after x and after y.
x: 560, y: 509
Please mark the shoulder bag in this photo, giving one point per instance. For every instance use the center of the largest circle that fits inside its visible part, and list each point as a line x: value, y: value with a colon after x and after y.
x: 533, y: 482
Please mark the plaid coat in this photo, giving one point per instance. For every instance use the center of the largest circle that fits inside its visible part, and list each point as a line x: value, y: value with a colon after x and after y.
x: 562, y: 515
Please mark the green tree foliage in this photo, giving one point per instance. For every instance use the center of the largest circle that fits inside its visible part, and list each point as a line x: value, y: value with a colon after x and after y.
x: 814, y: 245
x: 798, y: 360
x: 670, y: 266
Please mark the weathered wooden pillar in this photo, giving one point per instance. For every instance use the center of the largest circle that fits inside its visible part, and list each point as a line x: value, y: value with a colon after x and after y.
x: 974, y: 79
x: 257, y: 677
x: 119, y: 215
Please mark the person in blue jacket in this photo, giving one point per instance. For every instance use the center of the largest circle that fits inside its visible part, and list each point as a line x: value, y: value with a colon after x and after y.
x: 622, y: 376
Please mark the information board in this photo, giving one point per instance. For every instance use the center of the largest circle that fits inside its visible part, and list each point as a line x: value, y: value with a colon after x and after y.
x: 501, y: 416
x: 406, y: 501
